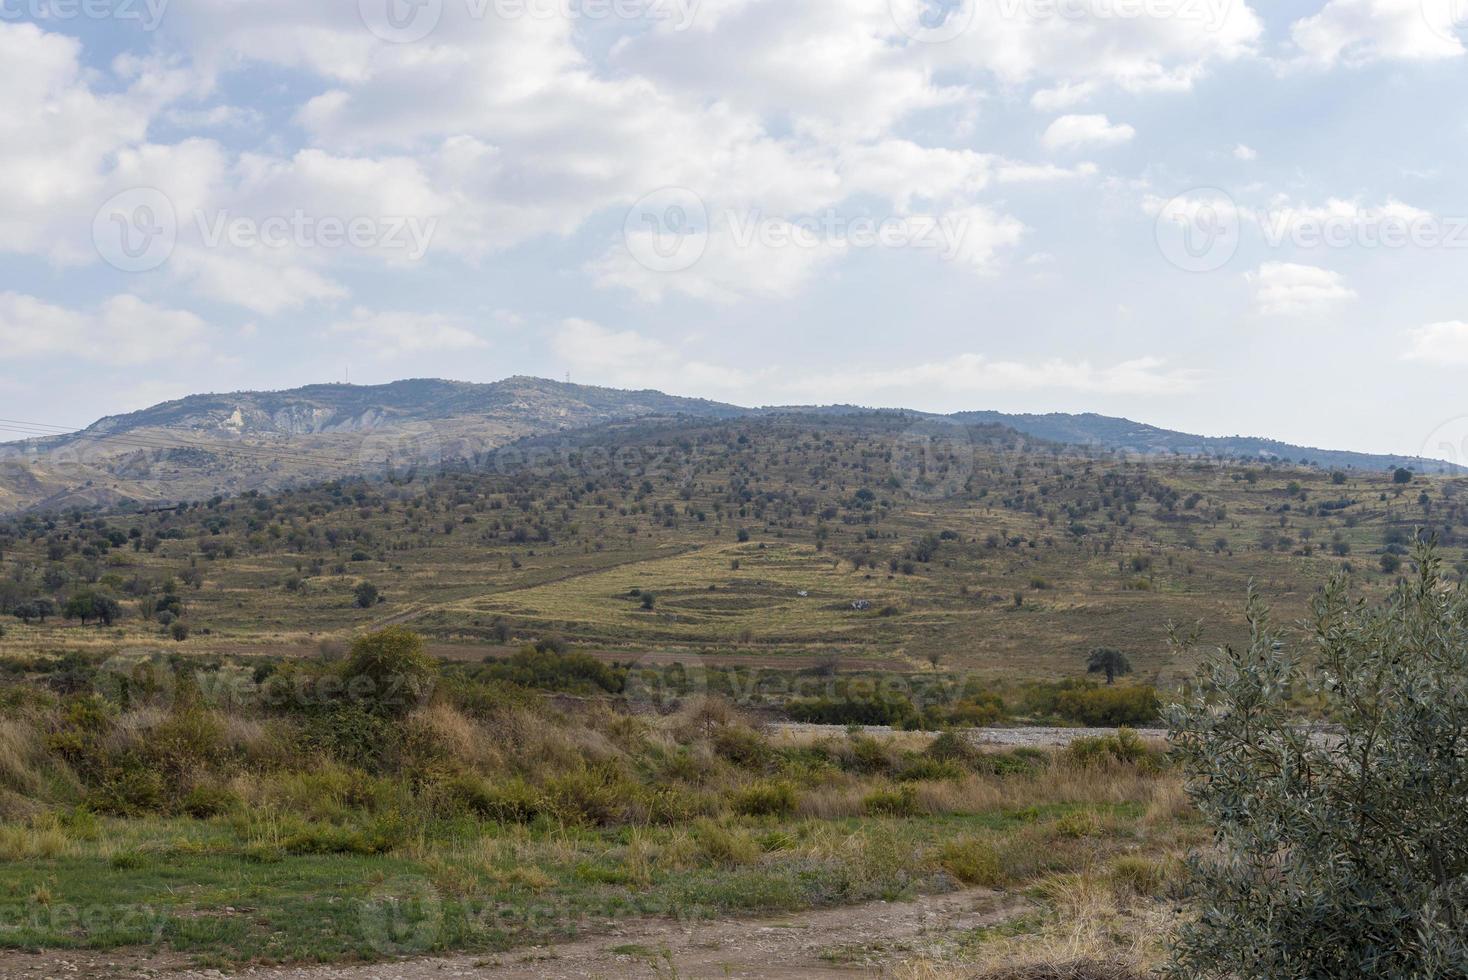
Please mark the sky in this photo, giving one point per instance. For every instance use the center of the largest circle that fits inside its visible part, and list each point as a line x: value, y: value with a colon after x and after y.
x: 1211, y: 215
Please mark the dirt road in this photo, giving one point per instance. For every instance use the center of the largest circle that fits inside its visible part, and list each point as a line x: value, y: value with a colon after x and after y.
x: 1027, y: 737
x: 864, y: 940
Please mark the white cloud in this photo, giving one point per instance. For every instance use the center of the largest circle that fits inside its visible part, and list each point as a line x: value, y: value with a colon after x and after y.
x: 1033, y: 173
x: 57, y: 135
x: 123, y: 330
x: 1063, y: 96
x: 1354, y: 32
x: 1443, y: 343
x: 1245, y: 153
x: 1072, y: 44
x: 980, y: 234
x: 631, y: 359
x: 1290, y: 289
x: 741, y: 256
x: 389, y: 334
x: 1086, y: 130
x: 975, y: 374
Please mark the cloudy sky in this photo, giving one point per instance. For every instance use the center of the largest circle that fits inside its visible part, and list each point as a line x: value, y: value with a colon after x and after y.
x: 1206, y: 214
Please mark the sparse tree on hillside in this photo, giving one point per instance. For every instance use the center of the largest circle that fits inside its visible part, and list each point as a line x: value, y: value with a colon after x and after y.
x: 1104, y: 660
x: 87, y: 606
x: 366, y: 595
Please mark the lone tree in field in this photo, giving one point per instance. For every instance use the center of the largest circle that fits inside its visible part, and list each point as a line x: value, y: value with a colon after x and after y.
x: 1112, y: 663
x: 1338, y: 853
x: 365, y: 595
x: 92, y: 605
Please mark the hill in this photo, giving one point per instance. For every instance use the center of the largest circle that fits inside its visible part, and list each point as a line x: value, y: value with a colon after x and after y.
x: 213, y: 444
x: 771, y: 539
x: 223, y: 444
x: 1124, y: 435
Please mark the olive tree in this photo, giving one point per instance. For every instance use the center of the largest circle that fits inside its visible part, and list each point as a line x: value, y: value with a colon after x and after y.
x: 1338, y: 851
x: 1112, y: 663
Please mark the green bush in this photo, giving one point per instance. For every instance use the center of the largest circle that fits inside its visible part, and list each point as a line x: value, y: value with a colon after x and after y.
x: 1130, y: 704
x: 742, y: 746
x: 208, y: 800
x: 973, y: 861
x: 378, y: 837
x: 952, y: 747
x: 916, y: 767
x: 595, y: 797
x: 769, y: 799
x: 899, y: 801
x: 352, y: 734
x: 551, y: 671
x: 389, y: 673
x: 1338, y: 856
x: 1124, y: 747
x: 508, y: 801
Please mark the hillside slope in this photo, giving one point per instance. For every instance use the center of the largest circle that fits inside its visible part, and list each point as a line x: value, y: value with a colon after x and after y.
x: 1124, y: 435
x: 221, y: 444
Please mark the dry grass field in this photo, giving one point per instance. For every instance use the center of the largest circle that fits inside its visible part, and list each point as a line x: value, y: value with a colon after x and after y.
x: 186, y: 777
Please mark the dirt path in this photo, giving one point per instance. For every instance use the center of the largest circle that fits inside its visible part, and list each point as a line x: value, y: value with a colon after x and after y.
x: 865, y: 940
x: 1023, y: 737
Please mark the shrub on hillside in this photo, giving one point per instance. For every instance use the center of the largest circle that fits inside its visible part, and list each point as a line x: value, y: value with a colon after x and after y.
x: 768, y: 799
x: 548, y: 670
x: 1132, y: 704
x: 1123, y: 747
x: 1342, y: 856
x: 389, y: 673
